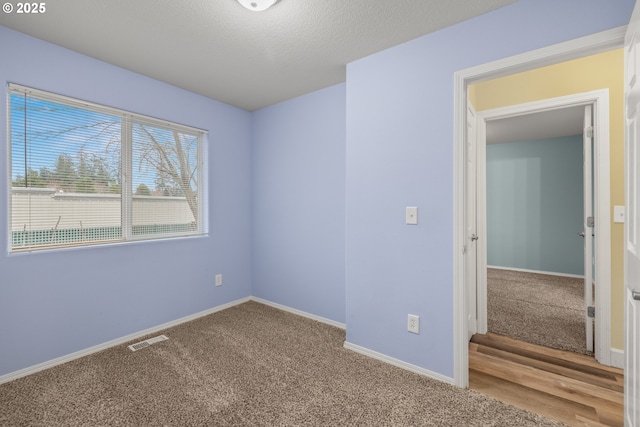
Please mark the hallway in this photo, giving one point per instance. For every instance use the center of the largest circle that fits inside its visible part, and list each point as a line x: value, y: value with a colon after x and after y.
x: 568, y: 387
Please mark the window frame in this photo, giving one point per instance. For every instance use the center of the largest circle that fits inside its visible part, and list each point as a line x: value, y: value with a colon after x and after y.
x: 127, y: 176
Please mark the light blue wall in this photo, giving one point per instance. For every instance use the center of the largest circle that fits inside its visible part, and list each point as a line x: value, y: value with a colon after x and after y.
x: 298, y: 182
x: 400, y: 153
x: 398, y: 118
x: 58, y: 302
x: 534, y: 205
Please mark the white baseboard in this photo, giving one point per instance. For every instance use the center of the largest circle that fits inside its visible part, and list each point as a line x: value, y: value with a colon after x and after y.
x: 399, y: 363
x: 96, y: 348
x: 548, y: 273
x: 300, y: 312
x: 617, y: 358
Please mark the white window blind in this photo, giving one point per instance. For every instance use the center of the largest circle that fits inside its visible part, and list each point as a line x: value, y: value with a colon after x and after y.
x: 85, y: 174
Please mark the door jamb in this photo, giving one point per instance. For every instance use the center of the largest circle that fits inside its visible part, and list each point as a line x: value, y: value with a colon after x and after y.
x: 588, y: 45
x: 602, y: 249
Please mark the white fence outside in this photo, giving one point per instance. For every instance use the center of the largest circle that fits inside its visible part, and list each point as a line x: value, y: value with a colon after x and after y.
x: 46, y: 208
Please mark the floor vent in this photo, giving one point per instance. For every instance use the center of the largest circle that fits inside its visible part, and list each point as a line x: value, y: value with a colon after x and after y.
x: 147, y: 343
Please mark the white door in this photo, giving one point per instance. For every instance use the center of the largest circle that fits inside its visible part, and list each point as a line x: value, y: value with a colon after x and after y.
x: 471, y: 229
x: 587, y: 232
x: 632, y: 225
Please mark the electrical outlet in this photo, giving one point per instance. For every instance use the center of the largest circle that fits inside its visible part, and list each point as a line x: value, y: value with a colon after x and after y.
x: 413, y: 324
x: 218, y: 279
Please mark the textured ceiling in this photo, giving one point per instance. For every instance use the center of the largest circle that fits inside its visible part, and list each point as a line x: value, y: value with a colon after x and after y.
x: 247, y: 59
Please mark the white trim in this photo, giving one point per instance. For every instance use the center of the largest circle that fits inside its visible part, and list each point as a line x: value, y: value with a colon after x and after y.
x: 561, y: 52
x: 118, y: 341
x: 572, y: 49
x: 300, y: 312
x: 547, y: 273
x: 460, y: 302
x: 599, y: 99
x: 481, y: 222
x: 617, y: 358
x: 471, y: 217
x: 397, y: 362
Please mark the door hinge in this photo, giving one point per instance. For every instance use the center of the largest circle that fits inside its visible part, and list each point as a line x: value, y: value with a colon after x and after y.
x: 591, y: 312
x: 588, y: 131
x: 590, y: 222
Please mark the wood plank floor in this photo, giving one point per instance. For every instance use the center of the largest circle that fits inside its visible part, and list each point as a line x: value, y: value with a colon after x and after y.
x: 568, y: 387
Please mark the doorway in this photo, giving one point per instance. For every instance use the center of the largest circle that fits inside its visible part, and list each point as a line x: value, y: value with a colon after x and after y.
x: 598, y: 103
x: 578, y: 48
x: 535, y: 200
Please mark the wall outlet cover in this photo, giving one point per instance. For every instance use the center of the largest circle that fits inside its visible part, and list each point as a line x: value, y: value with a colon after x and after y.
x: 413, y: 323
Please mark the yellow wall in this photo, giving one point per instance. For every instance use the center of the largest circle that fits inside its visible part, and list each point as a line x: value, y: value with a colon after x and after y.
x: 600, y: 71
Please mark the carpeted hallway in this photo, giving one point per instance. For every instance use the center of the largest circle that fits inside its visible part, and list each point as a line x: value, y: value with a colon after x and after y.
x: 249, y: 365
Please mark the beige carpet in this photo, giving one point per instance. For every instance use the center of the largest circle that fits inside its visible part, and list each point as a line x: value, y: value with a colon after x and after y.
x: 537, y: 308
x: 250, y: 365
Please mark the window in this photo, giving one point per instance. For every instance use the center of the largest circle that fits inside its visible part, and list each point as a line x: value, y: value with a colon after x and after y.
x: 84, y: 174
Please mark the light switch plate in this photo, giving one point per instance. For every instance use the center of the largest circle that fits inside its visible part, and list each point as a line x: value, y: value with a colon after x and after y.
x: 412, y: 215
x: 618, y: 214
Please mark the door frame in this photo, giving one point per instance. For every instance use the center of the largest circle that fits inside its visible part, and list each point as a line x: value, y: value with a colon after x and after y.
x: 584, y: 46
x: 471, y: 219
x: 632, y: 216
x: 599, y: 99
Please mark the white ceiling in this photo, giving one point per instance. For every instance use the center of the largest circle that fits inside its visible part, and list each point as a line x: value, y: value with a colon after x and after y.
x: 225, y: 52
x: 542, y: 125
